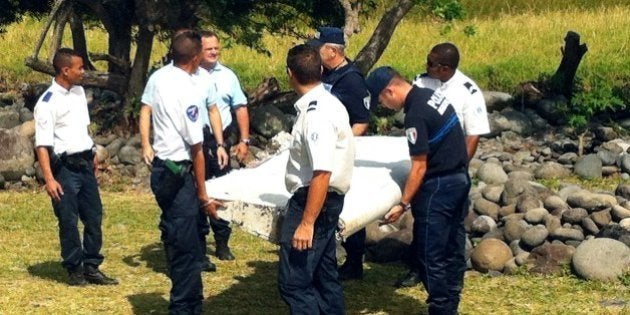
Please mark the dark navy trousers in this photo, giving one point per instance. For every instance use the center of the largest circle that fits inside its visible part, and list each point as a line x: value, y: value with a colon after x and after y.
x: 355, y: 246
x: 80, y: 200
x: 439, y: 239
x: 177, y: 197
x: 221, y: 228
x: 308, y: 280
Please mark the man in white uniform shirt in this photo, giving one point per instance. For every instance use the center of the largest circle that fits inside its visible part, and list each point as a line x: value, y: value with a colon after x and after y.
x: 174, y: 97
x: 230, y: 99
x: 463, y: 93
x: 65, y: 155
x: 319, y: 170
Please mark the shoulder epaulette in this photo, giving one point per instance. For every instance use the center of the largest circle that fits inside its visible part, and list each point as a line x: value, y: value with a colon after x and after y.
x: 311, y: 106
x: 420, y: 76
x: 47, y: 96
x: 470, y: 88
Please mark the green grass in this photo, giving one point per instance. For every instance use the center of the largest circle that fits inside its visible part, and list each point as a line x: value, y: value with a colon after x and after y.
x: 32, y: 280
x: 514, y: 41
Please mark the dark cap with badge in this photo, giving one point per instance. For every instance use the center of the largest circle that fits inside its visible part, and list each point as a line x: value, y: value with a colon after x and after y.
x: 378, y: 79
x: 330, y: 35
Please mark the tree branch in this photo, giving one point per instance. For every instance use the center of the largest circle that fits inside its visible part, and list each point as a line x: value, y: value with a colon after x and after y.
x: 373, y: 50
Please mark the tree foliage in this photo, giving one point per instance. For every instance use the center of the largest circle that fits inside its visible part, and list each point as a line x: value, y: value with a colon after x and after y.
x: 242, y: 21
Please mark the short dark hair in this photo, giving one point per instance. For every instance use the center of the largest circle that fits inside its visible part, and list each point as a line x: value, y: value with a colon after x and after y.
x: 305, y: 64
x: 185, y: 46
x: 447, y: 54
x: 207, y: 34
x: 63, y: 58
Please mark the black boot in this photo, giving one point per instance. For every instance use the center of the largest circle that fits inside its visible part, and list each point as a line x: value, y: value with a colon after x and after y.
x: 95, y: 276
x: 223, y: 251
x: 411, y: 279
x: 207, y: 265
x: 76, y: 278
x: 351, y: 270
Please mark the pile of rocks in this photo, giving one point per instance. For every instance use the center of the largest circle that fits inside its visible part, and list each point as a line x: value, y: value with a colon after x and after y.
x: 515, y: 221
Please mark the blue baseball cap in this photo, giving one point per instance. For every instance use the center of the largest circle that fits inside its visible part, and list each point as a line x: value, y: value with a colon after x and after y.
x: 332, y: 35
x: 378, y: 79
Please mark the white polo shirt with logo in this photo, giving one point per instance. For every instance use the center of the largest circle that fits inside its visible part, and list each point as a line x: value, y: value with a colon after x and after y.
x: 322, y: 141
x: 176, y: 100
x: 466, y: 98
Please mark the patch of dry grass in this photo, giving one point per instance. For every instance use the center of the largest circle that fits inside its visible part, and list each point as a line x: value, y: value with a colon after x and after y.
x: 32, y: 280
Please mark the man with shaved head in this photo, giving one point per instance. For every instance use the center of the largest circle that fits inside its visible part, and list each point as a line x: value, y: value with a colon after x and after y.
x: 172, y: 98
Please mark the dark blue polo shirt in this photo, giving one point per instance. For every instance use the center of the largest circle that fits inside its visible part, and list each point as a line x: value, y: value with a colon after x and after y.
x: 348, y: 85
x: 433, y: 129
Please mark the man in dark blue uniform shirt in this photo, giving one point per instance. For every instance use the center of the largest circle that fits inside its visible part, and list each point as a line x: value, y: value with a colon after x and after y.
x: 344, y: 80
x: 436, y: 189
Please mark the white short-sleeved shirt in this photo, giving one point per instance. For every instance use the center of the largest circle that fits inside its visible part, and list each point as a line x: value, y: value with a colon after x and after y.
x: 176, y: 101
x: 466, y: 98
x: 231, y: 94
x: 62, y: 119
x: 209, y: 91
x: 322, y: 141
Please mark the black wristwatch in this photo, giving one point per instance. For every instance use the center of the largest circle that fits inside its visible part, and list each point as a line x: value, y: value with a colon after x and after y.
x: 221, y: 145
x: 405, y: 206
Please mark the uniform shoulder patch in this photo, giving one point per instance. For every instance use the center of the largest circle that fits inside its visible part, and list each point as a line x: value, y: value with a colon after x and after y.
x: 412, y: 135
x: 47, y: 96
x: 192, y: 112
x: 311, y: 106
x: 470, y: 88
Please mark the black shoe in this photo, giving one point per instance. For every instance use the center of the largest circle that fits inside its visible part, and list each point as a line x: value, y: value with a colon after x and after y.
x: 208, y: 266
x: 411, y: 279
x: 351, y: 271
x: 223, y: 252
x: 95, y: 276
x: 76, y: 278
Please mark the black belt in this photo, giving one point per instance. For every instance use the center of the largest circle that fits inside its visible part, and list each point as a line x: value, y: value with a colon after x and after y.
x: 83, y: 159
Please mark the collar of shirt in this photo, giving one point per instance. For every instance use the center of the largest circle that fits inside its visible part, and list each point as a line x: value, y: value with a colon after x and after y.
x: 453, y: 80
x: 302, y: 102
x: 55, y: 87
x: 217, y: 67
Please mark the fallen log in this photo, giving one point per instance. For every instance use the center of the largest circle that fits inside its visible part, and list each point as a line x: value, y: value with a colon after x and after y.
x: 104, y: 80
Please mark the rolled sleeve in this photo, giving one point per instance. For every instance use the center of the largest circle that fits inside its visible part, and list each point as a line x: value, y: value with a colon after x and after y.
x: 320, y: 140
x: 476, y: 116
x: 44, y: 126
x: 237, y: 95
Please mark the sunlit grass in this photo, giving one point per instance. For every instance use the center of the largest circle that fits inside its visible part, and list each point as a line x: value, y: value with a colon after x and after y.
x: 505, y: 50
x: 32, y: 280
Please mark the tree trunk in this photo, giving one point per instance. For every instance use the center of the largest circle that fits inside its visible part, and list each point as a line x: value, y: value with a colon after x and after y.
x: 78, y: 39
x: 138, y: 75
x: 372, y: 51
x: 351, y: 10
x: 562, y: 81
x: 49, y: 21
x: 60, y: 25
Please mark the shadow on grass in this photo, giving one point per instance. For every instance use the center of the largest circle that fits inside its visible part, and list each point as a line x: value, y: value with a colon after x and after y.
x: 148, y: 303
x: 258, y: 293
x: 49, y: 270
x: 152, y: 255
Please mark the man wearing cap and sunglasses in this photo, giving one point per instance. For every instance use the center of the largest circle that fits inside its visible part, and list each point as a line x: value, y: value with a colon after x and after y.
x: 437, y: 186
x: 344, y: 80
